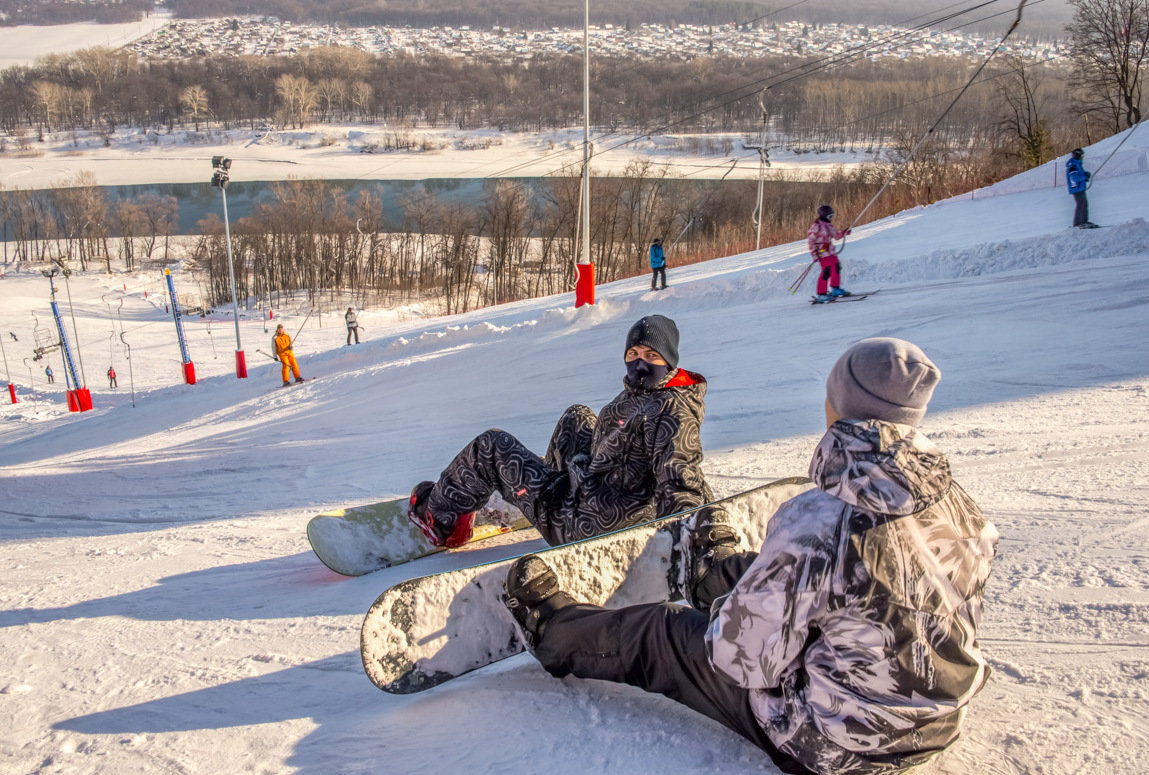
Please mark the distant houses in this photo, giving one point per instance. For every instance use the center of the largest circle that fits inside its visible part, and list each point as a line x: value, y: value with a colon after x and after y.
x: 268, y: 36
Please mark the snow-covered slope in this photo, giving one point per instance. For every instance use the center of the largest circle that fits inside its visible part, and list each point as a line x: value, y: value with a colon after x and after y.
x: 162, y: 612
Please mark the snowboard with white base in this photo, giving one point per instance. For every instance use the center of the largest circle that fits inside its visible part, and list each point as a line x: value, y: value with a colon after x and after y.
x: 425, y: 631
x: 362, y: 539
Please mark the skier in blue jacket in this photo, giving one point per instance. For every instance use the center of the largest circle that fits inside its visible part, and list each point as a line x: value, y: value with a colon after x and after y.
x: 657, y: 264
x: 1078, y: 181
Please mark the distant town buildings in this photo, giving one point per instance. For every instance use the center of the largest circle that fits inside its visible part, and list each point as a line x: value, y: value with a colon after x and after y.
x: 267, y: 36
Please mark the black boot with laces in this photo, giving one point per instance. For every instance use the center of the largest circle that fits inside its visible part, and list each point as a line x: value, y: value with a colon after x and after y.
x: 533, y: 595
x: 712, y: 541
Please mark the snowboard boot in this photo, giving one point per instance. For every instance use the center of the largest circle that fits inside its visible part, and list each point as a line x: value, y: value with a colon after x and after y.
x: 835, y: 292
x: 533, y: 596
x: 712, y: 541
x: 438, y: 532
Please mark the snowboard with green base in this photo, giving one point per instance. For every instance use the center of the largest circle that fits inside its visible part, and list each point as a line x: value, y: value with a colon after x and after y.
x: 425, y: 631
x: 362, y: 539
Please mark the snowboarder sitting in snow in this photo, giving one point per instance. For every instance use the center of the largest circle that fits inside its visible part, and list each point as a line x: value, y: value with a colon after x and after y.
x: 1078, y: 181
x: 281, y: 343
x: 638, y: 459
x: 820, y: 239
x: 848, y: 643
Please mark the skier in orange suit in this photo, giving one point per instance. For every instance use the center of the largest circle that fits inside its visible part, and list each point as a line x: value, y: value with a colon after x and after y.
x: 283, y: 351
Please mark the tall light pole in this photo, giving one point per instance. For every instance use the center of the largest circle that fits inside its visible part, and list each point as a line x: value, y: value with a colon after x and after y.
x: 220, y: 178
x: 584, y: 290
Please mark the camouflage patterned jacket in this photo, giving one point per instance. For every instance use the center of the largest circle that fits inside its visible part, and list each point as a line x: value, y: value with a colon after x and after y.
x: 855, y: 628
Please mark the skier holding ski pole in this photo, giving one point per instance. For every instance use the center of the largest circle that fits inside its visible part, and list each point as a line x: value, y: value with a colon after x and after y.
x: 282, y: 345
x: 820, y: 239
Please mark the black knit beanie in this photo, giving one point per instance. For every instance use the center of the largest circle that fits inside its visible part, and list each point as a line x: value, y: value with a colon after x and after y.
x: 658, y: 333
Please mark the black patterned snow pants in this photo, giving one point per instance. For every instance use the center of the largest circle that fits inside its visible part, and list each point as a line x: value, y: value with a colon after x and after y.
x: 539, y: 487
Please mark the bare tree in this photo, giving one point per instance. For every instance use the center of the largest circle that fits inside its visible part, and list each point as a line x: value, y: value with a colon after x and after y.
x: 1024, y: 115
x: 299, y: 99
x: 1109, y: 46
x: 194, y: 101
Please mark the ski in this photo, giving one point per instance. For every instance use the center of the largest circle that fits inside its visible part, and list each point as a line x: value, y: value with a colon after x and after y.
x: 848, y: 297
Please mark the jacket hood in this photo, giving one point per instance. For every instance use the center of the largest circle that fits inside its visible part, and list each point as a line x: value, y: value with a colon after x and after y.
x: 880, y: 467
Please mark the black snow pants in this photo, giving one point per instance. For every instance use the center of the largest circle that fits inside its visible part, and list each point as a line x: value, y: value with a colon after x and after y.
x: 1081, y: 208
x: 659, y: 648
x: 539, y: 487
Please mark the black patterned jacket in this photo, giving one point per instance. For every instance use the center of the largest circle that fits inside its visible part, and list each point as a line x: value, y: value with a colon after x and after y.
x: 646, y: 454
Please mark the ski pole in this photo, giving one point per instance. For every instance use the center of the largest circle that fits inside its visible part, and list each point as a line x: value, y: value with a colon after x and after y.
x: 802, y: 277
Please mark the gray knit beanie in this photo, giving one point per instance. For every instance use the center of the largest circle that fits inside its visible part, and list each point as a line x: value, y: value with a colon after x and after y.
x: 882, y: 379
x: 658, y: 333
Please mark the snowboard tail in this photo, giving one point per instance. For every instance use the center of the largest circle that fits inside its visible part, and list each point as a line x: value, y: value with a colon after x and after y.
x: 359, y: 540
x: 425, y: 631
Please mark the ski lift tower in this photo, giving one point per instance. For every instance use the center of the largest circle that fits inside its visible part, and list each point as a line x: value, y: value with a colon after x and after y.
x: 763, y: 163
x: 78, y: 396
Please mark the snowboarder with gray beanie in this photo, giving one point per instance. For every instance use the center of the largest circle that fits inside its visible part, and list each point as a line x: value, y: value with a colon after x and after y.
x: 848, y: 643
x: 638, y: 459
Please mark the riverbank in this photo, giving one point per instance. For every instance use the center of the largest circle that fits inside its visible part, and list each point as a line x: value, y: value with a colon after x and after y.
x: 381, y: 152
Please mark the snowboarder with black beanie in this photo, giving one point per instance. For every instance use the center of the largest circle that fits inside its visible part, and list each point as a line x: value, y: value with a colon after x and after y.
x: 637, y: 459
x: 848, y: 644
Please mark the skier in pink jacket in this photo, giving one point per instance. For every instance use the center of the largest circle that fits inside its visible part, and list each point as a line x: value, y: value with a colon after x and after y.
x: 820, y: 237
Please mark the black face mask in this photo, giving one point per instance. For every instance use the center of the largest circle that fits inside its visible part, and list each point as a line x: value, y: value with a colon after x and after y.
x: 644, y: 375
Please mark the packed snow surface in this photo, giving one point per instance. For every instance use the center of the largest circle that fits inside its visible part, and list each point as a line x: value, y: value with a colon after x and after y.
x: 161, y: 610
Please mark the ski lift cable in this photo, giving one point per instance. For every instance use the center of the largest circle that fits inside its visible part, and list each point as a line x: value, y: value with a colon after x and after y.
x: 913, y: 153
x: 869, y: 117
x: 601, y: 137
x: 1093, y: 175
x: 798, y: 71
x: 824, y: 64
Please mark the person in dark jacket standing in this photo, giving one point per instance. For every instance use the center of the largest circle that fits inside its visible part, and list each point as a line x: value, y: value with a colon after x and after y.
x: 638, y: 459
x: 848, y: 644
x: 1077, y: 179
x: 657, y: 264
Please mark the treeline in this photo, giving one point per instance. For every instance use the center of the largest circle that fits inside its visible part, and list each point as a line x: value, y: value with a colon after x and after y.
x: 521, y: 241
x: 815, y: 108
x: 518, y: 241
x: 46, y: 12
x: 77, y: 223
